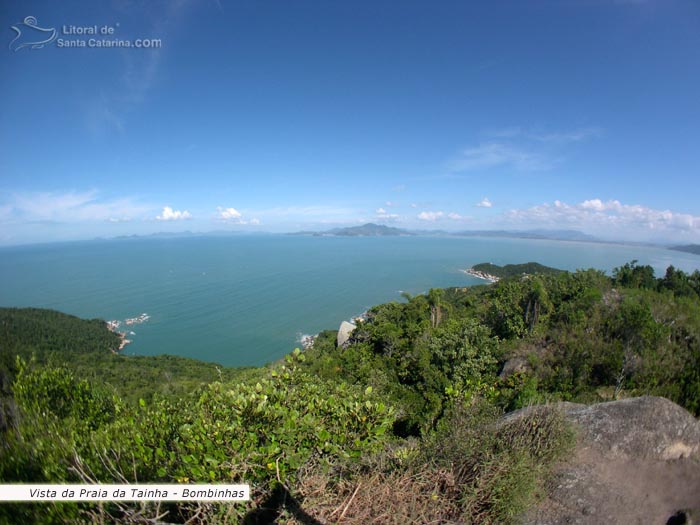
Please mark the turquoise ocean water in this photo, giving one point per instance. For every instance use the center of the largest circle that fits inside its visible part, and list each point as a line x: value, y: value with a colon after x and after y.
x: 245, y: 300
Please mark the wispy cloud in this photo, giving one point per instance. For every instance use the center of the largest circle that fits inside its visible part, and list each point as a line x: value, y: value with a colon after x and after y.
x: 311, y: 212
x: 168, y: 214
x: 108, y: 111
x: 484, y: 203
x: 494, y: 154
x: 568, y: 137
x: 547, y: 137
x: 69, y: 207
x: 101, y: 116
x: 519, y: 149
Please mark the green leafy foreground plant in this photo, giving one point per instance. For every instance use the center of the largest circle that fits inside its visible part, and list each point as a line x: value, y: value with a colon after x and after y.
x: 259, y: 433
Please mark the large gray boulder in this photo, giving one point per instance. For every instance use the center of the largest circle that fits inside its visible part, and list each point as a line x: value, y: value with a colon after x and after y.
x: 344, y: 332
x: 636, y: 461
x: 642, y: 427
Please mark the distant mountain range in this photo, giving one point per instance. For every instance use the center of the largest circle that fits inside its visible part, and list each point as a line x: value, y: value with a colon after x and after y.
x: 379, y: 230
x: 366, y: 230
x: 689, y: 248
x: 558, y: 235
x: 157, y: 235
x: 186, y: 233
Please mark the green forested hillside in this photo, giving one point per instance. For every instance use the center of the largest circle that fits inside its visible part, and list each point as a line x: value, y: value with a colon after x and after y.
x: 402, y: 419
x: 87, y: 348
x: 579, y: 336
x: 513, y: 270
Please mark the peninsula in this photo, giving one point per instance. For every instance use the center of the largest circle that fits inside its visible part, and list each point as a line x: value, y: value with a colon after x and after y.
x: 493, y: 273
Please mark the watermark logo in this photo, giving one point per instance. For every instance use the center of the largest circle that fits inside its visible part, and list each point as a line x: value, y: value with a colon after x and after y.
x: 30, y: 35
x: 68, y: 36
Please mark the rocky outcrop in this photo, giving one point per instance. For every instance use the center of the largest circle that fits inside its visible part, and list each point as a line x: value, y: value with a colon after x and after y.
x: 344, y: 332
x: 636, y: 461
x: 513, y: 366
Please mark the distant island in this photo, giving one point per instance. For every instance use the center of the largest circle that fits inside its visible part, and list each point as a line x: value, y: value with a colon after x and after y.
x: 688, y: 248
x: 494, y: 273
x: 379, y: 230
x: 555, y: 235
x: 366, y: 230
x: 371, y: 229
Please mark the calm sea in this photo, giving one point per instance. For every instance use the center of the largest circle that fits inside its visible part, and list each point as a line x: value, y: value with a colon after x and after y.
x: 246, y: 300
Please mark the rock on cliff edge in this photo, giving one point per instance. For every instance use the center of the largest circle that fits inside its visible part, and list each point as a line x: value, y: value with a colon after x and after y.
x: 344, y: 332
x: 637, y: 461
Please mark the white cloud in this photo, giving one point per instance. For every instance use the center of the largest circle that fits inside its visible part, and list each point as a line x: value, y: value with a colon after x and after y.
x: 455, y: 216
x: 414, y: 205
x: 431, y: 216
x: 233, y: 216
x: 484, y: 203
x: 611, y: 218
x: 228, y: 214
x: 388, y: 204
x: 383, y: 215
x: 168, y: 214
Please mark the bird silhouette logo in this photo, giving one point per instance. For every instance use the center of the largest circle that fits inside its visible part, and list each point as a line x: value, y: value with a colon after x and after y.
x: 30, y: 35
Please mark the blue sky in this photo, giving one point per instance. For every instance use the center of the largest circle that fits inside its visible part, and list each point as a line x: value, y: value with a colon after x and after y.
x: 288, y: 115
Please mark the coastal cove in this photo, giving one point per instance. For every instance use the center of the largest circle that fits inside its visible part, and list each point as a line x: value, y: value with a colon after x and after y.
x: 247, y: 300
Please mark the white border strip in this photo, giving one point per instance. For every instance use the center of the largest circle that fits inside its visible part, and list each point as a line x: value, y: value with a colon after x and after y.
x: 125, y: 492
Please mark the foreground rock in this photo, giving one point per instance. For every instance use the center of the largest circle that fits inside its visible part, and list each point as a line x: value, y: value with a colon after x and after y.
x: 637, y: 461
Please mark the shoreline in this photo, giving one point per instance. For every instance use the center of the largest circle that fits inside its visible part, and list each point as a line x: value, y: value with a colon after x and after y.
x: 113, y: 326
x: 123, y: 341
x: 481, y: 275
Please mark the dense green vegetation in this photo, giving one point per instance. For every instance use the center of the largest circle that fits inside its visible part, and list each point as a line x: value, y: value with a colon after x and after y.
x: 409, y: 410
x: 514, y: 270
x: 87, y: 347
x: 580, y: 336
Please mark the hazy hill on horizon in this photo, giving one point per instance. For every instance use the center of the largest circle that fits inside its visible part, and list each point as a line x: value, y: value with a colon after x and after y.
x: 687, y: 248
x: 371, y: 229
